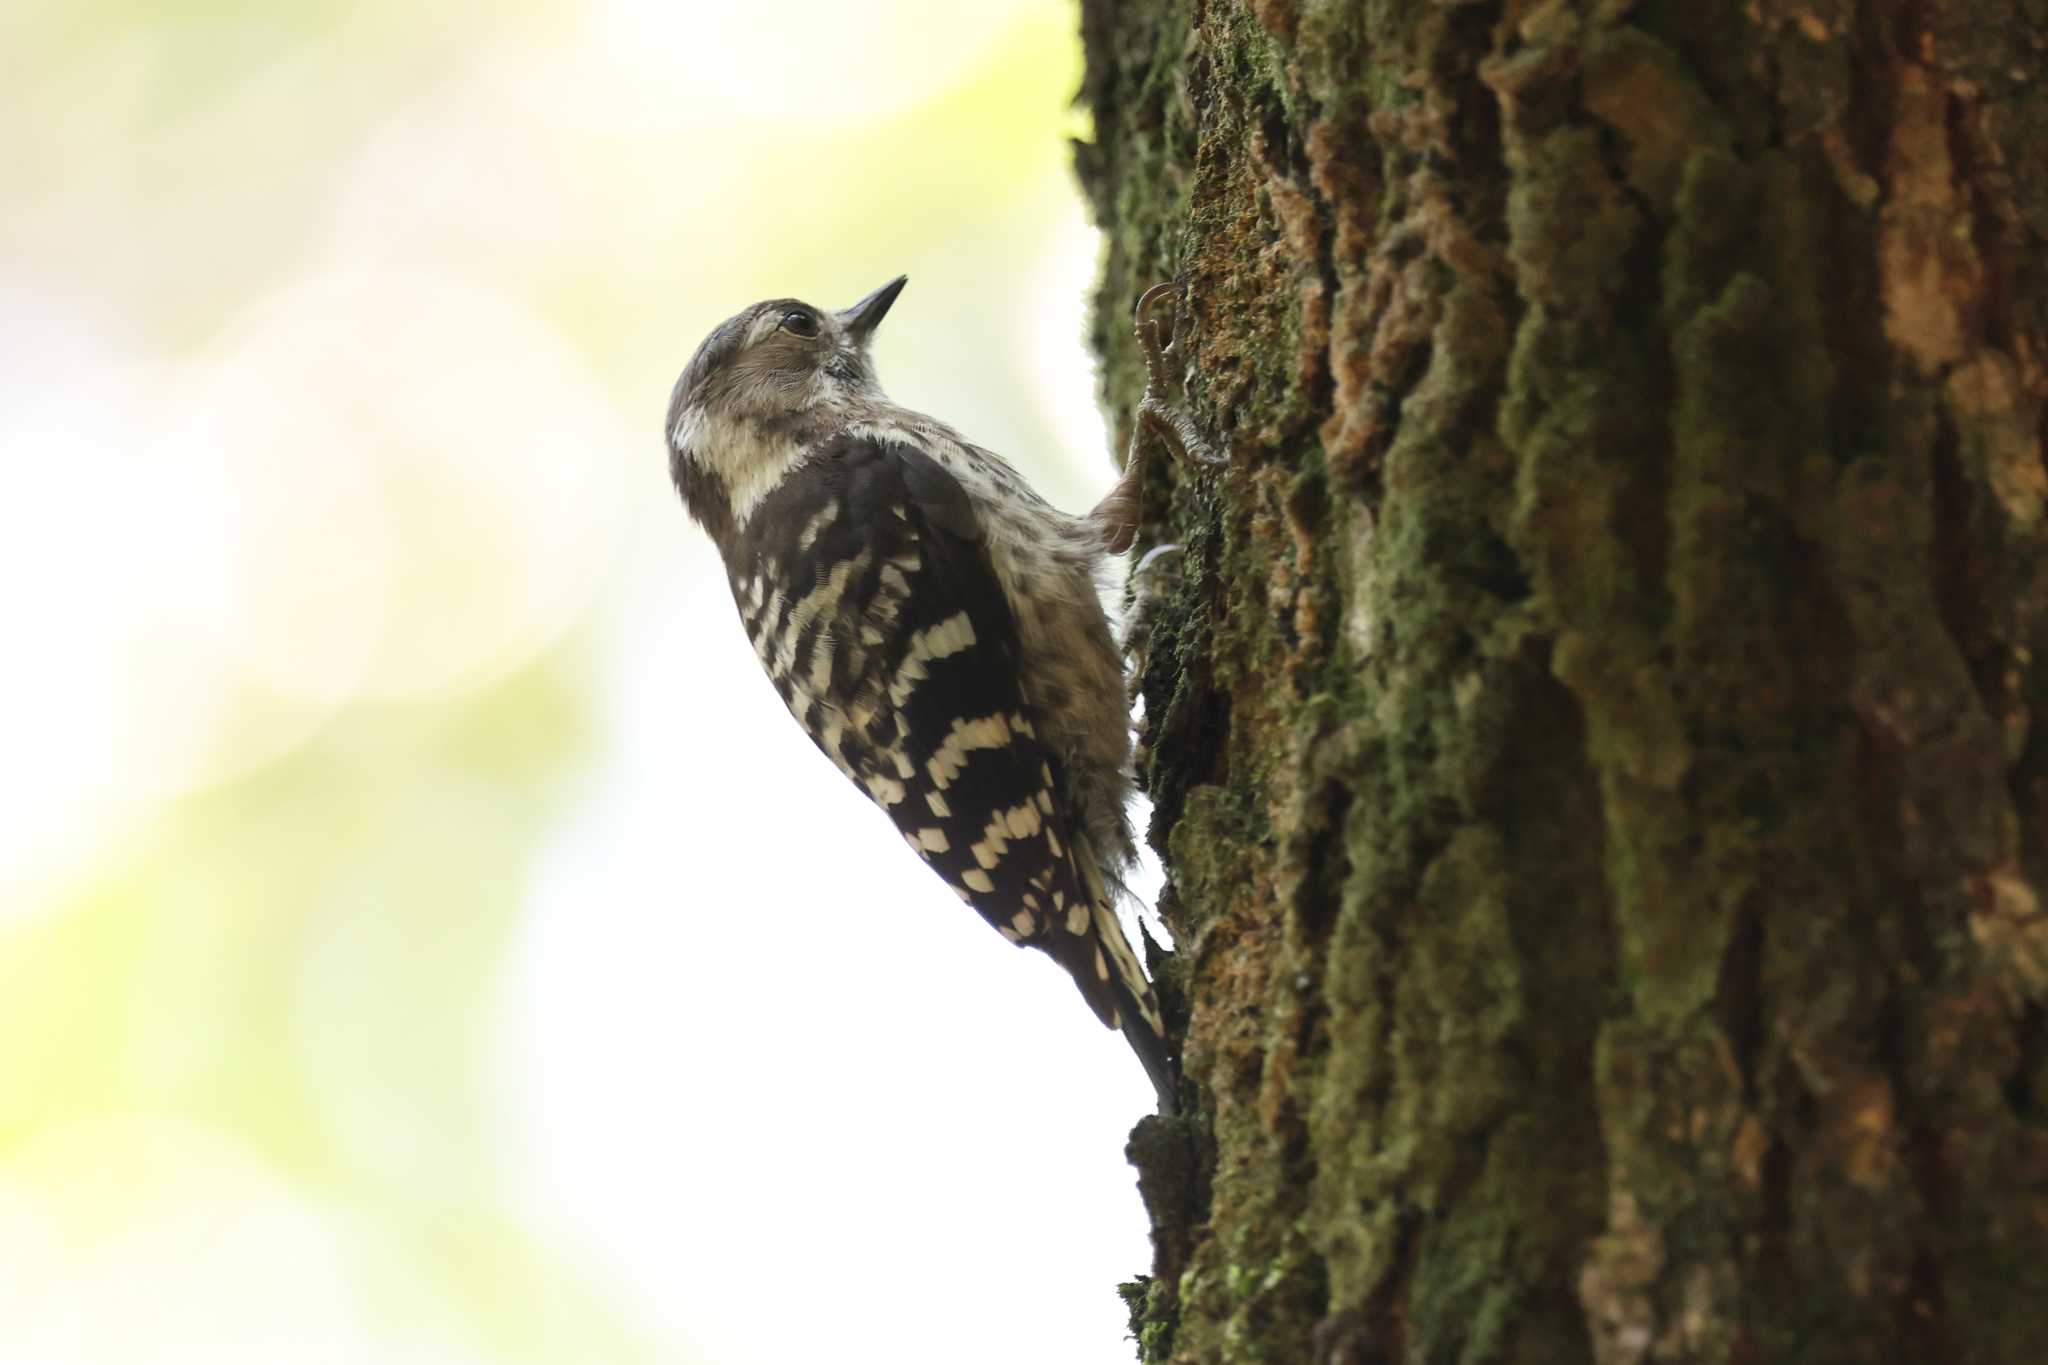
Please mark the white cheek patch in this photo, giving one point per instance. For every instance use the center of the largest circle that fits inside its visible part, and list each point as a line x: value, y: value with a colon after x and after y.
x: 688, y: 428
x: 752, y: 469
x: 749, y: 466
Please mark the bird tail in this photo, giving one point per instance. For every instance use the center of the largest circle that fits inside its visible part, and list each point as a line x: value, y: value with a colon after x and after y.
x: 1105, y: 967
x: 1138, y: 1020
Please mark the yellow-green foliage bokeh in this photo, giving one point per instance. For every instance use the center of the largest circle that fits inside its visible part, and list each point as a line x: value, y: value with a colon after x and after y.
x: 340, y: 336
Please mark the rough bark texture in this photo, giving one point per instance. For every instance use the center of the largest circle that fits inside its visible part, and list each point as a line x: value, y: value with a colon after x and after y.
x: 1595, y: 726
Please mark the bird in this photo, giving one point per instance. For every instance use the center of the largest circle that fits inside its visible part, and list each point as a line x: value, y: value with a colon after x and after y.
x: 934, y: 625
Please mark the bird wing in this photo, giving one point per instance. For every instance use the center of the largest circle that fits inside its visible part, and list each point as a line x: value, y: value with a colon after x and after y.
x: 894, y: 646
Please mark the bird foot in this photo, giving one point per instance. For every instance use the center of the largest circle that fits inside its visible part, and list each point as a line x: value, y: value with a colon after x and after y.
x: 1151, y: 584
x: 1158, y: 415
x: 1158, y: 418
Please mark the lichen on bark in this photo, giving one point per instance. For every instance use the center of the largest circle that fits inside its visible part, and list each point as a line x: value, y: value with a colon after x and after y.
x: 1593, y: 732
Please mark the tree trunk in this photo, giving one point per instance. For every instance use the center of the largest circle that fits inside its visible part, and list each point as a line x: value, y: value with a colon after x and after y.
x: 1592, y: 720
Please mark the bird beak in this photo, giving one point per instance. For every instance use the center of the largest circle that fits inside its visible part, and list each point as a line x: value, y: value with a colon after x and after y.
x: 860, y: 320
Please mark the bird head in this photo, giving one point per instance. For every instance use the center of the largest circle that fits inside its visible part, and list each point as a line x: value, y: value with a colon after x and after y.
x: 765, y: 379
x: 781, y: 357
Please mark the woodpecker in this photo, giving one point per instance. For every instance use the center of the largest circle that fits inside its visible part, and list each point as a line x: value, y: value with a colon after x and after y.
x: 933, y: 624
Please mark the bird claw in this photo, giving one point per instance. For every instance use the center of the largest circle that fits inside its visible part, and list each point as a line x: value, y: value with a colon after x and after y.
x: 1166, y: 420
x: 1148, y: 562
x: 1158, y: 417
x: 1155, y: 337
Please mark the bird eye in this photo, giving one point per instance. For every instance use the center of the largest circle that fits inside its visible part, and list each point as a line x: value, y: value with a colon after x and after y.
x: 800, y: 322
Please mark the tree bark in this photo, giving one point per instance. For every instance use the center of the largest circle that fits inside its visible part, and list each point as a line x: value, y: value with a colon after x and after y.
x: 1593, y: 723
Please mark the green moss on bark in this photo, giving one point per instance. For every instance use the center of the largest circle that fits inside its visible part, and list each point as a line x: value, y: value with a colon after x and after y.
x: 1595, y: 732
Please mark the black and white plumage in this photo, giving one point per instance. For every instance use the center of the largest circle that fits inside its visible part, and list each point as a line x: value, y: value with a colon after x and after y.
x: 934, y: 626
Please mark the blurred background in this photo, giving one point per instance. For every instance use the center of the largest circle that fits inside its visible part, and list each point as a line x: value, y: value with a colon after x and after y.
x: 423, y: 935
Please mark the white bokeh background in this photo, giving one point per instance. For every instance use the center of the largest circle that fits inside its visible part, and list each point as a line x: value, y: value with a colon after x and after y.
x: 423, y: 936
